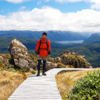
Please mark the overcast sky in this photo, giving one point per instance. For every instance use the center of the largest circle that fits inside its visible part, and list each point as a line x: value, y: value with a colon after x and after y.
x: 64, y: 15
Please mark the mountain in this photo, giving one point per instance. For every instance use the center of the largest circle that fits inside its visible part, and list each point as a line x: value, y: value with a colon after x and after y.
x: 52, y: 35
x: 94, y: 38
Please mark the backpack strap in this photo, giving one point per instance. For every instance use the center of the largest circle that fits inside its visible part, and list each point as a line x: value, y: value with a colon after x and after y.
x: 47, y: 44
x: 39, y: 46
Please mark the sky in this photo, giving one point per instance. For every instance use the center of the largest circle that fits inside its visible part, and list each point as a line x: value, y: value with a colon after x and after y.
x: 43, y: 15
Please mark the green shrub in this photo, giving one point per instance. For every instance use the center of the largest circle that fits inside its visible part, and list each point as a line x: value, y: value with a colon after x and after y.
x: 87, y: 88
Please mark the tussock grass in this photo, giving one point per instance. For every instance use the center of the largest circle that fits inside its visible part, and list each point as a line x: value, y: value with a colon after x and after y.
x: 9, y: 81
x: 66, y: 80
x: 75, y: 60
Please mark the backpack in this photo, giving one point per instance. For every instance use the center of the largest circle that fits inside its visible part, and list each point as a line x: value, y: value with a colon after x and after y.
x: 40, y: 45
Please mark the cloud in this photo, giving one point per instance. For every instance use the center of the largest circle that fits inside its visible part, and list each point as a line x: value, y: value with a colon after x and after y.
x: 48, y: 18
x: 95, y: 4
x: 47, y: 0
x: 16, y: 1
x: 22, y: 8
x: 21, y: 1
x: 41, y: 1
x: 68, y: 1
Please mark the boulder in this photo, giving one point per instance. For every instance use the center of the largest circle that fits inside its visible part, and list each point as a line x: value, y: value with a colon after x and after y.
x: 20, y: 55
x: 75, y: 60
x: 57, y: 59
x: 50, y: 65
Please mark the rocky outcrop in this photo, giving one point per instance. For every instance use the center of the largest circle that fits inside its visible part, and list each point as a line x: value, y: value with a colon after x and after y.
x: 20, y: 55
x: 50, y: 65
x: 73, y: 59
x: 57, y: 59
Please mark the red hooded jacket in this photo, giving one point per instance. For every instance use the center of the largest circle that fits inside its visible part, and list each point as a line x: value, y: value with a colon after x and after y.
x: 44, y: 49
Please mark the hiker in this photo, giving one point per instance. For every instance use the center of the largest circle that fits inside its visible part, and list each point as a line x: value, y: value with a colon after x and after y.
x: 42, y: 50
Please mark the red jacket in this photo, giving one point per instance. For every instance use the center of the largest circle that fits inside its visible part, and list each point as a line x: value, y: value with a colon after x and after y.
x: 43, y: 52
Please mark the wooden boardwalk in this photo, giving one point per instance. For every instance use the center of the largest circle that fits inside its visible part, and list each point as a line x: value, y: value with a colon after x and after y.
x: 40, y: 88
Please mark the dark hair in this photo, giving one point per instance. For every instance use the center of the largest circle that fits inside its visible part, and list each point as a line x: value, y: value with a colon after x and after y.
x: 44, y: 33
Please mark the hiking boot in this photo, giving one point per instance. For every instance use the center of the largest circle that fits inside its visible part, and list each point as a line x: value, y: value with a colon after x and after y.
x: 38, y: 74
x: 44, y: 74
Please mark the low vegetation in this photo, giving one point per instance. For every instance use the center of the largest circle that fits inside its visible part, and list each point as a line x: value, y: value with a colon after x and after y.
x: 87, y: 88
x: 67, y: 79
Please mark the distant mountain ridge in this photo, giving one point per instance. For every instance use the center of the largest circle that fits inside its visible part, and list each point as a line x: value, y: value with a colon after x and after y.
x: 52, y: 35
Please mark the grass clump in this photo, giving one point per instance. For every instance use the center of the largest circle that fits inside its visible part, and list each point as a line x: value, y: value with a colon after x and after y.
x: 87, y: 88
x: 10, y: 80
x: 2, y: 65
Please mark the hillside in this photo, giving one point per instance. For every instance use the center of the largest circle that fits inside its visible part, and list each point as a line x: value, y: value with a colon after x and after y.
x: 90, y: 51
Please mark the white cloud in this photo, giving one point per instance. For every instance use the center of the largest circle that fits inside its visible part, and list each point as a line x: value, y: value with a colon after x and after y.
x: 22, y: 8
x: 16, y: 1
x: 93, y: 1
x: 68, y: 0
x: 47, y: 0
x: 95, y: 4
x: 52, y: 19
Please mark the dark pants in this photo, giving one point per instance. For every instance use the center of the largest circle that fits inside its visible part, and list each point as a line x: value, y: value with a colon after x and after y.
x: 44, y: 66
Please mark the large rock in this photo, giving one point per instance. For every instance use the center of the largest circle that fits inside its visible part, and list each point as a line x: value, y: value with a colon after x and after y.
x: 73, y: 59
x: 20, y: 55
x: 50, y: 65
x: 57, y: 59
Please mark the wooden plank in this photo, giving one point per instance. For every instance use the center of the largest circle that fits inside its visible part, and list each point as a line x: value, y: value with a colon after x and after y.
x: 40, y: 88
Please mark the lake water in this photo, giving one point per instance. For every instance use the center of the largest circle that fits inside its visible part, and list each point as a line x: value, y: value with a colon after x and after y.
x: 70, y: 42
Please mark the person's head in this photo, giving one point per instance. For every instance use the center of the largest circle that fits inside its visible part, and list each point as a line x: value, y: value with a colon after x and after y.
x: 44, y: 34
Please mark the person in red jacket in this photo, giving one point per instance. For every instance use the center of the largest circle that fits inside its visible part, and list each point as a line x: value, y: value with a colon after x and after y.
x: 42, y: 50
